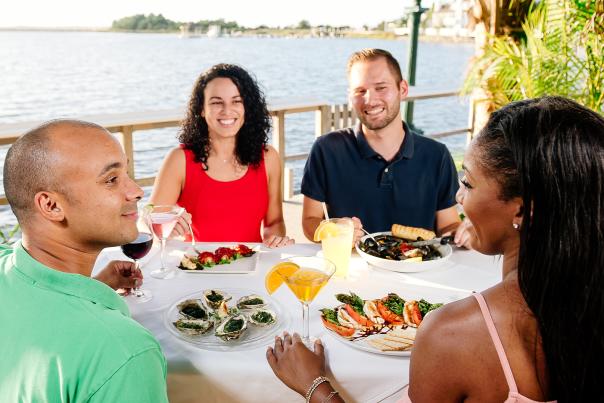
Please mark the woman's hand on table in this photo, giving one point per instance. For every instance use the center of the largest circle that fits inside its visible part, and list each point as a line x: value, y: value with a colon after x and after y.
x: 462, y: 234
x: 121, y: 274
x: 294, y: 364
x: 276, y: 241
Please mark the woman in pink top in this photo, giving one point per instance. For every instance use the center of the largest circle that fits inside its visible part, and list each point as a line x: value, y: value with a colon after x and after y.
x: 224, y: 173
x: 533, y: 187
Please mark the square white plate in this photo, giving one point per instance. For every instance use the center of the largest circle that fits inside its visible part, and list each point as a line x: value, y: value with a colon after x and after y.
x: 240, y: 266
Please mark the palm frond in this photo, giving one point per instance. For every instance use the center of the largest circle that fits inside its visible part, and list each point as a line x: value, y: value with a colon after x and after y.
x: 561, y: 52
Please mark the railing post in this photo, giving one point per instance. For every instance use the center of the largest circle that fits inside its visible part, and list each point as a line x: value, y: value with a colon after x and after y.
x: 337, y: 121
x: 345, y: 116
x: 288, y: 184
x: 353, y: 116
x: 321, y: 120
x: 279, y: 141
x: 126, y: 139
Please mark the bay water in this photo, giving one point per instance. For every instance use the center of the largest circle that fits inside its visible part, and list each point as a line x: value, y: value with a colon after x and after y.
x: 47, y: 75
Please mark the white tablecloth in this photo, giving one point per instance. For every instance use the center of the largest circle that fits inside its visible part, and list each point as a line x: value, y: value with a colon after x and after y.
x: 196, y: 375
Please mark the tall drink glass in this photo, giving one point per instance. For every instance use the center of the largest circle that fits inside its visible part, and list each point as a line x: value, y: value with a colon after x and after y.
x: 306, y: 282
x: 136, y: 250
x: 162, y: 220
x: 337, y: 243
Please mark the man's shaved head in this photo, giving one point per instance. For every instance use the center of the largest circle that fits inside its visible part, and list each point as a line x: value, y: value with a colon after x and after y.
x: 30, y: 165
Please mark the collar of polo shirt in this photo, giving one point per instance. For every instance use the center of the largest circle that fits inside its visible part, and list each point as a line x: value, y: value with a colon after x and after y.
x: 72, y: 284
x: 365, y: 150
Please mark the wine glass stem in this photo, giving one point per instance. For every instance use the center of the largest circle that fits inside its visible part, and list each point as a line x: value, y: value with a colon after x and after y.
x: 135, y: 290
x: 163, y: 252
x: 305, y: 322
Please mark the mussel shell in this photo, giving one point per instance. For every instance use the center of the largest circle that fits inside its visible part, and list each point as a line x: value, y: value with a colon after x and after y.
x: 373, y: 253
x: 368, y: 244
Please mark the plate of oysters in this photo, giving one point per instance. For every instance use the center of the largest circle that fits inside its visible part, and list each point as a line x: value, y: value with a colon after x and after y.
x: 226, y: 319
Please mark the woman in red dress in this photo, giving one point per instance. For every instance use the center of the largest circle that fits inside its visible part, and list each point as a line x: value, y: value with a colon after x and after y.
x: 224, y: 173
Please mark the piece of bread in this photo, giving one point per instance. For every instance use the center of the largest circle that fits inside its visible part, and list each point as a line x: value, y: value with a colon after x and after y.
x: 406, y: 335
x: 389, y: 345
x: 412, y: 233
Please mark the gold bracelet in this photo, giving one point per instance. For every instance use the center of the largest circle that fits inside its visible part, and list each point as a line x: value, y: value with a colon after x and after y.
x: 328, y: 398
x: 318, y: 380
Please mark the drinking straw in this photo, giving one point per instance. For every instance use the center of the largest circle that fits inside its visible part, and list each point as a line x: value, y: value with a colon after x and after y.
x: 325, y: 210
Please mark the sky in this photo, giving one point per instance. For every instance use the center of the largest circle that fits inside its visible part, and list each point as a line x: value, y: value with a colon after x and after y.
x: 251, y: 13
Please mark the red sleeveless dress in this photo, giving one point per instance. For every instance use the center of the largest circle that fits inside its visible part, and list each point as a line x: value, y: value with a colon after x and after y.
x: 225, y: 211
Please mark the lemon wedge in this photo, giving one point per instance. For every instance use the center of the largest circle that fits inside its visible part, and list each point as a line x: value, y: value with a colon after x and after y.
x: 148, y: 208
x: 274, y: 277
x: 325, y: 230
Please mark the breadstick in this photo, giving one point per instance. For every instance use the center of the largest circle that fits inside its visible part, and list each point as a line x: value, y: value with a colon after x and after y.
x: 412, y: 233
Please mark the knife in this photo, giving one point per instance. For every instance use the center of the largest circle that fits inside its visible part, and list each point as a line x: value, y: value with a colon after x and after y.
x: 436, y: 241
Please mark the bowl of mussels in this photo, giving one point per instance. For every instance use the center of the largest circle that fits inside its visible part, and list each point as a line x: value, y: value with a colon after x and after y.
x: 405, y: 249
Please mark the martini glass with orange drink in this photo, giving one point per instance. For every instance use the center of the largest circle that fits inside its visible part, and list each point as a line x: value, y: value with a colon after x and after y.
x: 305, y: 276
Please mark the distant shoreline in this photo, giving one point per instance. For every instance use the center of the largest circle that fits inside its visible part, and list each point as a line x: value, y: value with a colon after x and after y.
x: 284, y: 33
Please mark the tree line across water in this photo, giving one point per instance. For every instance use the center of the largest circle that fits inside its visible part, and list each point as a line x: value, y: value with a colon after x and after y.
x: 157, y: 22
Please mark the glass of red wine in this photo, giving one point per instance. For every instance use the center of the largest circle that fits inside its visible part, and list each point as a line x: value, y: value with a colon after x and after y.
x: 136, y: 250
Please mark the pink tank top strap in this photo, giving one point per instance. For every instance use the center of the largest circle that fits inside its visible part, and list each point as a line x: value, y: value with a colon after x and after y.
x: 503, y: 359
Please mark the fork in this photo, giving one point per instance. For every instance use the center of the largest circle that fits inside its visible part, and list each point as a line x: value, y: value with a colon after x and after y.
x: 182, y: 210
x: 370, y: 236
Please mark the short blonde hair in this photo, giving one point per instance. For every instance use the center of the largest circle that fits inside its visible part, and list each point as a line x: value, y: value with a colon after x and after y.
x: 371, y: 54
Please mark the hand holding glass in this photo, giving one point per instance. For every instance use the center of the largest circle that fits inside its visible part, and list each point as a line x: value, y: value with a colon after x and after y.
x: 162, y: 220
x: 136, y: 250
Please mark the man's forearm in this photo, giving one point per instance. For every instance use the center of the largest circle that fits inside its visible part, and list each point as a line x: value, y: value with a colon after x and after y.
x: 448, y: 229
x: 309, y: 225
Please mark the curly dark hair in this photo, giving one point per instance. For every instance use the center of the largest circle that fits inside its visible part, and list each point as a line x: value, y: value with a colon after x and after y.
x: 550, y: 152
x: 252, y: 137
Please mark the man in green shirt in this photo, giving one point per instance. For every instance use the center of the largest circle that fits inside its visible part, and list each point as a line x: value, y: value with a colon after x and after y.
x: 66, y: 337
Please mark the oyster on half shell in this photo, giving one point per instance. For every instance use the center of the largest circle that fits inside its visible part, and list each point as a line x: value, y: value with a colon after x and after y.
x: 263, y: 317
x: 253, y: 301
x: 193, y: 309
x: 193, y: 327
x: 232, y: 328
x: 214, y: 298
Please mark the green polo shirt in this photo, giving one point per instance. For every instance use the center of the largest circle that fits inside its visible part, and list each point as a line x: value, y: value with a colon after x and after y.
x: 69, y: 338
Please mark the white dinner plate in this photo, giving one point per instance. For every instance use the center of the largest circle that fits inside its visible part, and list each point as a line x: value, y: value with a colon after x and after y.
x: 402, y: 266
x: 432, y: 295
x: 363, y: 344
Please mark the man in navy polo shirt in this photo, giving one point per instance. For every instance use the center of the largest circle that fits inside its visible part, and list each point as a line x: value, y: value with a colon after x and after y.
x: 379, y: 173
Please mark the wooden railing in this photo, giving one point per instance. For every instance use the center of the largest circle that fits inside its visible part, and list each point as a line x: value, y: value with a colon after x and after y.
x: 327, y: 118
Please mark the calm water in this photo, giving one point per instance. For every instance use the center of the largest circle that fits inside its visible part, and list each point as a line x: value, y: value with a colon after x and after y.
x: 45, y: 75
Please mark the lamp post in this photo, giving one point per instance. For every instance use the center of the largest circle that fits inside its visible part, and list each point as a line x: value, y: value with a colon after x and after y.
x: 416, y: 13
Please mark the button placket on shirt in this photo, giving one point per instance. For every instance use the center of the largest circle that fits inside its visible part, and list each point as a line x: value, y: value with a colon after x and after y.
x: 387, y: 177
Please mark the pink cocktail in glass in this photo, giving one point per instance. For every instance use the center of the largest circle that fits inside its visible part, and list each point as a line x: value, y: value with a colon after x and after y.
x: 162, y: 220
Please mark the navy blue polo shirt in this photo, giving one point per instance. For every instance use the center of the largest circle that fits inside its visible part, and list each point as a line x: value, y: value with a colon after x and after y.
x: 343, y: 171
